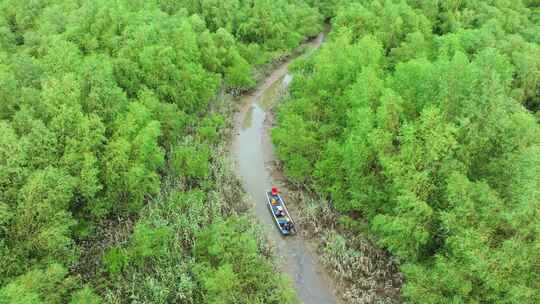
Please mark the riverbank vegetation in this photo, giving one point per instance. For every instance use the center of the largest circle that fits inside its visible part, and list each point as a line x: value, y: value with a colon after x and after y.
x: 418, y: 122
x: 114, y: 186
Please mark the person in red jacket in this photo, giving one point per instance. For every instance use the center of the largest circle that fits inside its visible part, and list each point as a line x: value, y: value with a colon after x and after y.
x: 275, y: 191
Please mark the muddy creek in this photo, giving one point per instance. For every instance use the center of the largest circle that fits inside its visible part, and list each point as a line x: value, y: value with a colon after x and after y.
x: 253, y: 155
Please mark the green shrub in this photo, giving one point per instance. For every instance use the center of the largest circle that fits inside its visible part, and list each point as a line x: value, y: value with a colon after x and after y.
x: 191, y: 162
x: 115, y: 259
x: 85, y: 296
x: 148, y: 242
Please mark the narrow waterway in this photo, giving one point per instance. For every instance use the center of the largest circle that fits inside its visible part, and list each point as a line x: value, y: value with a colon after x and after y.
x: 252, y: 151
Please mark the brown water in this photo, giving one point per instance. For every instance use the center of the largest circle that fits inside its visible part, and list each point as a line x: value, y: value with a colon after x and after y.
x: 252, y: 151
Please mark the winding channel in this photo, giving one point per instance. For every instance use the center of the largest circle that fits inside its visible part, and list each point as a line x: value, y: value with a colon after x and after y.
x: 253, y: 154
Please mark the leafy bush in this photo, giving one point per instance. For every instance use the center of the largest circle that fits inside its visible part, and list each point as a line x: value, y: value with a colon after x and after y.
x: 115, y: 259
x: 148, y: 242
x: 48, y: 285
x: 85, y: 296
x: 191, y: 162
x: 231, y: 268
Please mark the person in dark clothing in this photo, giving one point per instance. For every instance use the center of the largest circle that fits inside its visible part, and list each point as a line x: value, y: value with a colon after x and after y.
x: 288, y: 226
x: 279, y: 211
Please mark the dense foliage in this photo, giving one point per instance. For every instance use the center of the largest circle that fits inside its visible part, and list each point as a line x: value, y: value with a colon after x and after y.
x: 110, y: 135
x: 414, y: 121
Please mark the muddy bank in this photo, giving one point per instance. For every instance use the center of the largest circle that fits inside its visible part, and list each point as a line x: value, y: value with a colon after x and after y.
x: 253, y: 155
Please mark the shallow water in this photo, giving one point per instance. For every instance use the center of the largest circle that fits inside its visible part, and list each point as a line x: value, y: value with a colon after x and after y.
x: 252, y: 151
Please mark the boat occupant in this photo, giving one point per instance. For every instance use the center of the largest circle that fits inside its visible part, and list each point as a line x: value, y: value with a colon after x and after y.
x: 288, y: 225
x: 279, y: 211
x: 274, y: 196
x: 275, y: 192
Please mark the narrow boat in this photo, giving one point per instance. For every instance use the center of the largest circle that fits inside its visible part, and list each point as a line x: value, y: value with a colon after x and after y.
x: 279, y: 211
